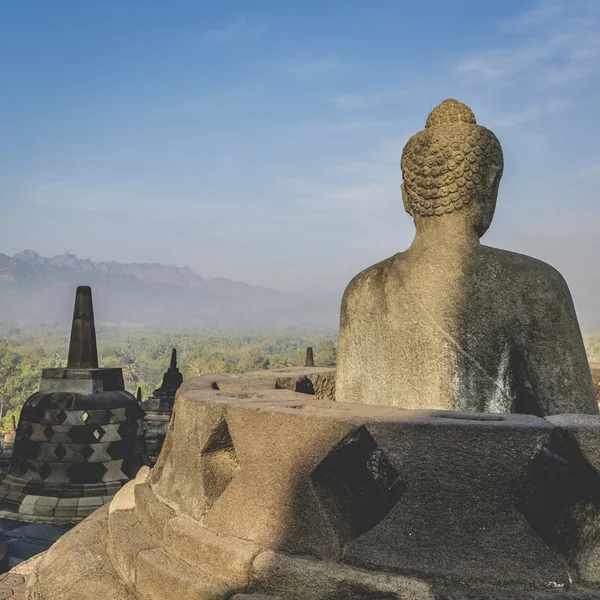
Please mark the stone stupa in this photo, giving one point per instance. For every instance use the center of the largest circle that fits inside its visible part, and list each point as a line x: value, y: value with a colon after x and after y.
x: 158, y: 408
x: 445, y: 469
x: 79, y: 439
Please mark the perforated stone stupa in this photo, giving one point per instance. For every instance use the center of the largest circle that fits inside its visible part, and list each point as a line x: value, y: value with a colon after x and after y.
x: 460, y: 459
x: 79, y: 439
x: 158, y: 408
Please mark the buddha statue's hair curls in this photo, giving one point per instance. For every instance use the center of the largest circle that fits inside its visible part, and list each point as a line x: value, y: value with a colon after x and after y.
x: 445, y: 166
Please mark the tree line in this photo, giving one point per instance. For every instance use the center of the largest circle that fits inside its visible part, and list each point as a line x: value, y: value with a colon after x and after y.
x: 145, y: 355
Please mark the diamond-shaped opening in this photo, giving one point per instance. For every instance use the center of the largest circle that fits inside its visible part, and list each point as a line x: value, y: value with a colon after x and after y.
x: 558, y: 493
x: 61, y: 417
x: 219, y: 462
x: 85, y: 416
x: 357, y: 485
x: 60, y: 452
x: 99, y: 432
x: 45, y: 471
x: 49, y: 432
x: 86, y: 452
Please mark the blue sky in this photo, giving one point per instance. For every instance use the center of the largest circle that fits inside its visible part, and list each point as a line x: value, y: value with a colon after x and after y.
x: 261, y: 140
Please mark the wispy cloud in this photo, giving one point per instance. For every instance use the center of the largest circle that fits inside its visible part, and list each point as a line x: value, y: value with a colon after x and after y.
x: 528, y: 114
x: 72, y: 194
x: 241, y: 29
x: 551, y: 44
x: 365, y: 192
x: 104, y: 198
x: 591, y: 172
x: 360, y: 100
x: 307, y: 69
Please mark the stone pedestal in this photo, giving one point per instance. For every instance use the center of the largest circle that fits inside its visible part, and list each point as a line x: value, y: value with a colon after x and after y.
x: 285, y: 495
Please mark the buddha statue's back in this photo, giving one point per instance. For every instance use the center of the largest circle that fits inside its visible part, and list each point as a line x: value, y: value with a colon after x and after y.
x: 450, y: 323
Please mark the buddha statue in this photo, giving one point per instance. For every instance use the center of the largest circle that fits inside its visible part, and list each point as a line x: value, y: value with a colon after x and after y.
x: 450, y: 323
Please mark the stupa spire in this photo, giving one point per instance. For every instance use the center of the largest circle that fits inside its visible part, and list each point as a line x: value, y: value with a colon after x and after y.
x: 310, y: 361
x: 174, y: 358
x: 83, y: 352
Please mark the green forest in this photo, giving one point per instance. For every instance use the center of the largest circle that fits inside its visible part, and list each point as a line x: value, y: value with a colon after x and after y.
x: 145, y: 355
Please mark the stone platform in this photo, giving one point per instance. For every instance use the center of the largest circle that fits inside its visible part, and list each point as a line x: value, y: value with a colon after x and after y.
x: 288, y: 496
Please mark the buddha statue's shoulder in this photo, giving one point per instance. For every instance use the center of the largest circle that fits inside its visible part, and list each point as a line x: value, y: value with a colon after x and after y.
x: 368, y: 285
x: 530, y: 276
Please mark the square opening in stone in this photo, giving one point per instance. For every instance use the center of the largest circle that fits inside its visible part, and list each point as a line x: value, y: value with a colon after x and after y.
x: 357, y: 485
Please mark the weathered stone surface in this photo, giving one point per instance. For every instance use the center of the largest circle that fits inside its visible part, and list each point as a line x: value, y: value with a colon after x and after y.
x: 271, y: 499
x: 160, y: 576
x: 151, y: 512
x: 187, y: 481
x: 302, y: 578
x: 126, y: 539
x: 125, y: 498
x: 595, y: 369
x: 309, y: 380
x: 450, y: 323
x: 230, y: 557
x: 255, y: 597
x: 456, y: 520
x: 60, y: 574
x: 566, y: 507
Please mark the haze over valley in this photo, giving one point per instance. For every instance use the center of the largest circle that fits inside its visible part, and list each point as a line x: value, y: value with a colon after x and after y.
x: 37, y: 289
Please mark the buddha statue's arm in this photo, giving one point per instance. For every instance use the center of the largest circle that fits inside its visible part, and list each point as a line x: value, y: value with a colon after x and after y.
x: 554, y: 359
x: 355, y: 339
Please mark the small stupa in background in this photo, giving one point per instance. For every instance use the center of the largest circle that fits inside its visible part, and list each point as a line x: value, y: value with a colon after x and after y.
x: 79, y: 439
x: 310, y: 361
x: 158, y: 408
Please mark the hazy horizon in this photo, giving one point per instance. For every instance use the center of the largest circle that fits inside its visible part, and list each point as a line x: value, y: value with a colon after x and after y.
x: 262, y: 142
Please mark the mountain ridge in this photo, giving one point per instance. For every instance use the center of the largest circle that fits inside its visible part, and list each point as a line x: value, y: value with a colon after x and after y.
x: 35, y: 288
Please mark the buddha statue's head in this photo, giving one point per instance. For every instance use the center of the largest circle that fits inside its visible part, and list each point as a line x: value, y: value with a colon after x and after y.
x: 452, y: 165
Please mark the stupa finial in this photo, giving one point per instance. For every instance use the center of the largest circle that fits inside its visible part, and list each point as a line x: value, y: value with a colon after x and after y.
x: 174, y: 358
x: 83, y: 352
x: 310, y: 361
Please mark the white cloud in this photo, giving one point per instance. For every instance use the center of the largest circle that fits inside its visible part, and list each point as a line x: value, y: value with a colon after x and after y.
x: 551, y: 44
x: 241, y: 29
x: 307, y: 69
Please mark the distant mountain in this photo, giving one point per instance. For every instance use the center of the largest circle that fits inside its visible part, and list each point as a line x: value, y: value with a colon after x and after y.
x: 37, y: 289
